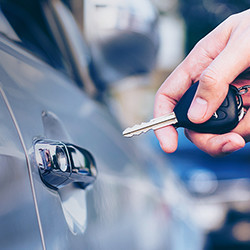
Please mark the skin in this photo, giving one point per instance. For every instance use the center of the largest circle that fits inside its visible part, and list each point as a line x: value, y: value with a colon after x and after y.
x: 219, y: 59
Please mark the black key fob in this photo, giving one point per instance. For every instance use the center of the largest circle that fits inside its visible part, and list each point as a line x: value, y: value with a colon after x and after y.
x: 223, y: 120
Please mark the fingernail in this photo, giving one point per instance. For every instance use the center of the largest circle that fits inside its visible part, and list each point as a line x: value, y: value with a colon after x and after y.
x: 228, y: 148
x: 197, y: 109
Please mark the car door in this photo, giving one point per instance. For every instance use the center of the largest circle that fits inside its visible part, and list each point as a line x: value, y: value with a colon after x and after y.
x: 19, y: 217
x: 123, y: 201
x: 128, y: 206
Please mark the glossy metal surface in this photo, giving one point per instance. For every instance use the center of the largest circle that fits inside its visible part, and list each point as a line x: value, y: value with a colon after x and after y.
x: 132, y: 204
x: 64, y: 27
x: 60, y: 164
x: 19, y: 227
x: 126, y: 208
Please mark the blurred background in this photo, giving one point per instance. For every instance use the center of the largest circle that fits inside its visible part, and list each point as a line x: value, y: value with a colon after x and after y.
x: 135, y: 45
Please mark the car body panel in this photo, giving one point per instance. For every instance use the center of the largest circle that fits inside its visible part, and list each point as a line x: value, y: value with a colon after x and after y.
x: 123, y: 200
x: 19, y: 224
x: 135, y: 203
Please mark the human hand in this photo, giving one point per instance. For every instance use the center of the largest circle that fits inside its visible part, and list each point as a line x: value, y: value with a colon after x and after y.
x: 215, y: 61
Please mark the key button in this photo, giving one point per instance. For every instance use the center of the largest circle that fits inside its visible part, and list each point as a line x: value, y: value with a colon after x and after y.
x: 225, y: 103
x: 219, y: 115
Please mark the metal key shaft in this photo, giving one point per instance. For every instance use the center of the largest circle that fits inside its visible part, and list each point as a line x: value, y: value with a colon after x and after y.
x: 224, y: 119
x: 155, y: 123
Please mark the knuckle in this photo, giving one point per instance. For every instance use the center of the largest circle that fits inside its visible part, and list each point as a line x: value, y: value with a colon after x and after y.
x: 209, y: 78
x: 232, y: 18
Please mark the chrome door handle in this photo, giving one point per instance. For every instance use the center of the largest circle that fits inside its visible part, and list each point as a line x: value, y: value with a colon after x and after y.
x: 62, y: 163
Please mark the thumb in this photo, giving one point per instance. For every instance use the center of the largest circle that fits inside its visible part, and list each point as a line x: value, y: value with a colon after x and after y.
x: 214, y: 82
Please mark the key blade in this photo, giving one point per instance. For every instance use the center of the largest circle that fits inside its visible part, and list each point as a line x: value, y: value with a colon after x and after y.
x: 154, y: 124
x: 135, y: 130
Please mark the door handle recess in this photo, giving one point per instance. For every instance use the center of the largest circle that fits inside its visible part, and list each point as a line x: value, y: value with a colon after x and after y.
x: 62, y: 163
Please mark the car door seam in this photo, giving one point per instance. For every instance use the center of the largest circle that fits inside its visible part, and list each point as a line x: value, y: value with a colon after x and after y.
x: 28, y: 165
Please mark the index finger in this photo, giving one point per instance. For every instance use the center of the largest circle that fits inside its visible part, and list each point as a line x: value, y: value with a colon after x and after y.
x: 166, y: 98
x: 181, y: 79
x: 172, y: 90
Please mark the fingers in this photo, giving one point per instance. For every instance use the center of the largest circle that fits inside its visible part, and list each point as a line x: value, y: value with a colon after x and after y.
x: 173, y: 89
x: 180, y: 80
x: 166, y: 98
x: 243, y: 127
x: 219, y: 145
x: 167, y: 138
x: 215, y: 61
x: 216, y: 145
x: 226, y: 66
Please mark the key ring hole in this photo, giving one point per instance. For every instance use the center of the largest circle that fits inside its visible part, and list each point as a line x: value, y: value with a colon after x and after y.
x: 243, y: 90
x: 239, y: 102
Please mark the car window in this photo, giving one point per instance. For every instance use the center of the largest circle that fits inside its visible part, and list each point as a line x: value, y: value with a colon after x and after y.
x: 6, y: 28
x: 25, y: 24
x: 71, y: 43
x: 48, y: 30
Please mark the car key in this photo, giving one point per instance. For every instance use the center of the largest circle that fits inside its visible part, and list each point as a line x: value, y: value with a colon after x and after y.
x: 223, y: 120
